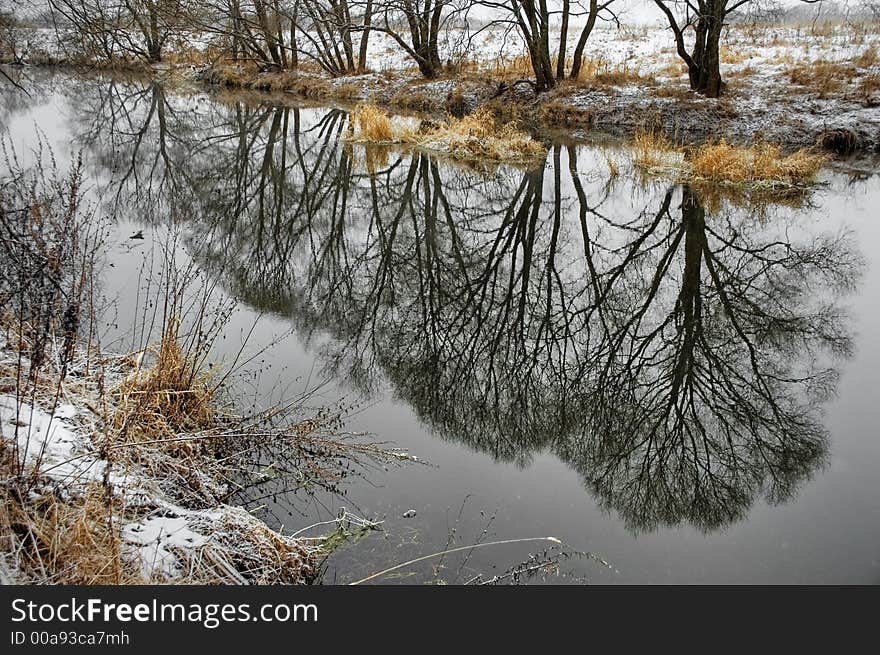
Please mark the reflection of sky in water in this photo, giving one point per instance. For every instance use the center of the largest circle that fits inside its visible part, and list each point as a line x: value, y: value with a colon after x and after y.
x: 827, y: 532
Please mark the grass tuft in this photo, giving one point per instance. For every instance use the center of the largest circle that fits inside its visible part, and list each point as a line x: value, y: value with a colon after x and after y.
x: 652, y: 150
x: 68, y: 540
x: 474, y: 137
x: 869, y: 57
x: 840, y: 141
x: 371, y: 124
x: 825, y: 78
x: 172, y: 396
x: 761, y: 163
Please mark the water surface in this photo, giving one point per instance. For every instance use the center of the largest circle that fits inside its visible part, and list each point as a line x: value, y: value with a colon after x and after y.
x: 679, y: 379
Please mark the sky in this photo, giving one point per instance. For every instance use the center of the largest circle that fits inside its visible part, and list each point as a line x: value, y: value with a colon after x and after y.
x: 639, y: 12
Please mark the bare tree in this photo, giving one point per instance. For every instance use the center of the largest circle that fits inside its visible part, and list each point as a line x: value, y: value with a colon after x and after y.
x: 416, y: 26
x: 279, y: 34
x: 531, y: 19
x: 706, y: 18
x: 260, y: 31
x: 137, y: 29
x: 328, y: 29
x: 13, y: 44
x: 13, y: 47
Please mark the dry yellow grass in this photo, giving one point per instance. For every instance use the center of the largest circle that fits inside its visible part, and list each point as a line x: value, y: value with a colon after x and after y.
x: 869, y: 58
x: 746, y: 71
x: 825, y: 78
x: 761, y: 163
x: 868, y: 90
x: 601, y: 72
x: 75, y: 539
x: 758, y: 166
x: 474, y: 137
x: 596, y: 71
x: 68, y: 541
x: 371, y: 124
x: 652, y: 150
x: 172, y: 396
x: 784, y: 58
x: 734, y: 54
x: 477, y: 136
x: 518, y: 66
x: 673, y: 67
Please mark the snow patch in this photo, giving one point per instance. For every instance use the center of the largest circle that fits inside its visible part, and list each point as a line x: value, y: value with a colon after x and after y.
x: 153, y: 539
x: 49, y: 441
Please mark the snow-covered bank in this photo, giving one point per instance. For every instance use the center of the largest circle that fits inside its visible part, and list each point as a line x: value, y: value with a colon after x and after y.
x: 93, y: 492
x: 787, y: 86
x: 52, y: 452
x: 60, y: 472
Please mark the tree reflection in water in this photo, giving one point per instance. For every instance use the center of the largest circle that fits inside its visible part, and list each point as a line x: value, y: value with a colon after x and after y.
x: 676, y: 358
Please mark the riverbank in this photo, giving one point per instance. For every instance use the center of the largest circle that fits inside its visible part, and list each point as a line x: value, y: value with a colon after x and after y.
x: 794, y: 86
x: 618, y: 102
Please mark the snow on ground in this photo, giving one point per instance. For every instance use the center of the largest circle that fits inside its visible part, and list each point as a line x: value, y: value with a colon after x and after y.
x: 162, y: 541
x: 50, y: 441
x: 153, y: 539
x: 761, y: 102
x: 647, y: 48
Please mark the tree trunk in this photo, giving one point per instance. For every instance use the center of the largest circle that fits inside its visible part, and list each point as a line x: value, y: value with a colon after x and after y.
x: 689, y: 305
x: 578, y: 58
x: 704, y: 71
x: 544, y: 79
x: 344, y: 18
x: 237, y: 49
x: 154, y: 49
x: 563, y: 37
x: 365, y: 36
x: 427, y: 64
x: 544, y: 44
x: 704, y: 60
x: 294, y: 48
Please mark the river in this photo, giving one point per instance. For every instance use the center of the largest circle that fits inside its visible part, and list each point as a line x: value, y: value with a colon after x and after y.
x: 679, y: 379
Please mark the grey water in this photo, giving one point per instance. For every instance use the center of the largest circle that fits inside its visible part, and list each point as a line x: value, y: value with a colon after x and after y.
x: 680, y: 379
